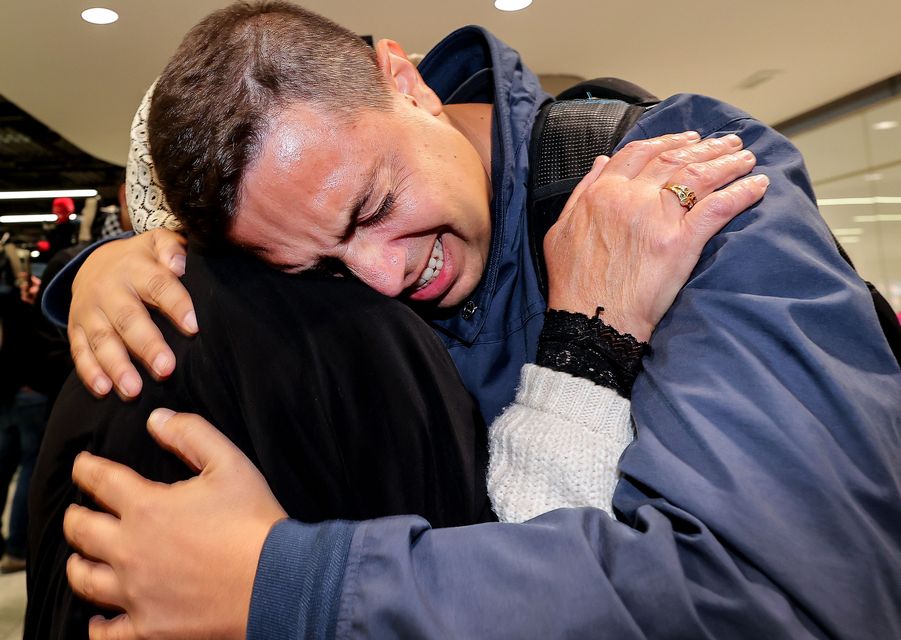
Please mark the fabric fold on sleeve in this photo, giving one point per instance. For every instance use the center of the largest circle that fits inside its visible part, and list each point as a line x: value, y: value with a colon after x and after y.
x: 297, y: 589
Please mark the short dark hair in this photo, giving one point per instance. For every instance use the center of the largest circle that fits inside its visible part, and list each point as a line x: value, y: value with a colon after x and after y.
x: 232, y: 75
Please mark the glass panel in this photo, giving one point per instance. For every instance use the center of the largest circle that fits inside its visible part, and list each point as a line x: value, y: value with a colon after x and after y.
x: 855, y: 165
x: 883, y: 125
x: 835, y: 149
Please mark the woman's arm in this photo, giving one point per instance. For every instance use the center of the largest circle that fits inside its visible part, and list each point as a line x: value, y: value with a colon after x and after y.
x: 557, y: 445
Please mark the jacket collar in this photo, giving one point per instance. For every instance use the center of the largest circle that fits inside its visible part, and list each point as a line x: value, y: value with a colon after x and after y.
x: 471, y: 65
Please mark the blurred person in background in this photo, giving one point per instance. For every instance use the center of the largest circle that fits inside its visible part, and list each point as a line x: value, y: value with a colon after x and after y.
x: 115, y: 221
x: 65, y: 233
x: 35, y: 361
x: 23, y: 410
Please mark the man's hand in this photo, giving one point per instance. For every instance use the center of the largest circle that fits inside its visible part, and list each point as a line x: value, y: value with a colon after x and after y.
x: 178, y: 559
x: 108, y: 318
x: 625, y: 243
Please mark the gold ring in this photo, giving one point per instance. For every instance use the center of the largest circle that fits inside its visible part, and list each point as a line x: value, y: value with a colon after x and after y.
x: 686, y: 196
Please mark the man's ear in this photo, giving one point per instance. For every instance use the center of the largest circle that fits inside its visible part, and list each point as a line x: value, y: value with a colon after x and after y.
x: 403, y: 76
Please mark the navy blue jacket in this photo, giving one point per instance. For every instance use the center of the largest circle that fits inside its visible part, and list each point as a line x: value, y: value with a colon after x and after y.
x: 762, y: 497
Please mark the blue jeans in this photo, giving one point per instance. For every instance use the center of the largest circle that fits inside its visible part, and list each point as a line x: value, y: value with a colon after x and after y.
x: 22, y: 425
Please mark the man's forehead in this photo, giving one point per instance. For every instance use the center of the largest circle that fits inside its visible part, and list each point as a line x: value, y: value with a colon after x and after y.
x: 321, y: 150
x: 306, y: 122
x: 305, y: 191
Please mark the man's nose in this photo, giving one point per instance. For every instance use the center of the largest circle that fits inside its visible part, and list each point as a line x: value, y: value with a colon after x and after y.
x: 380, y: 265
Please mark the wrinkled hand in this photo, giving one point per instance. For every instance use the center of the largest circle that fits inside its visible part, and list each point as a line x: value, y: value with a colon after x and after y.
x: 29, y: 285
x: 108, y: 318
x: 625, y: 243
x: 178, y: 559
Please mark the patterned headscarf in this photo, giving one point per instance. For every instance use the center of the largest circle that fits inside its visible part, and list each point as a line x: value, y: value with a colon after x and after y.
x: 147, y: 206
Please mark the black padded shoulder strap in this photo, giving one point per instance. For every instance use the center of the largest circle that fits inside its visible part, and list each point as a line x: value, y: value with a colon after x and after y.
x: 569, y: 135
x: 610, y: 89
x: 587, y: 121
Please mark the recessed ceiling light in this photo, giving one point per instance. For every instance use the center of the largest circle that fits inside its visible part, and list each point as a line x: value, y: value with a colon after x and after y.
x: 511, y: 5
x: 873, y: 177
x: 848, y: 231
x: 885, y: 125
x: 758, y: 78
x: 99, y: 15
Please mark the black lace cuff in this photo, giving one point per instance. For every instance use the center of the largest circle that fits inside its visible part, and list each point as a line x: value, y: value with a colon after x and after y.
x: 587, y: 348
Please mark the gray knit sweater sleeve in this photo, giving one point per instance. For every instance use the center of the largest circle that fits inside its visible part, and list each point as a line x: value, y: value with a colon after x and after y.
x: 556, y: 446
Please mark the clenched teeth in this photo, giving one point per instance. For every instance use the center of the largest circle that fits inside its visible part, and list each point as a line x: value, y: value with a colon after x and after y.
x: 436, y: 261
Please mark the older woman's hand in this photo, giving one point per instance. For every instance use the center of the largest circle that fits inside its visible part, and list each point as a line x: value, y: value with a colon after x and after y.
x: 624, y: 241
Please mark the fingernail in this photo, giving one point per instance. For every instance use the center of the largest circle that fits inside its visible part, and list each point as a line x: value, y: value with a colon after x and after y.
x: 102, y: 385
x: 744, y: 154
x: 177, y: 265
x: 161, y: 364
x: 190, y: 321
x: 761, y: 180
x: 82, y: 455
x: 158, y: 418
x: 732, y: 139
x: 692, y: 135
x: 130, y: 384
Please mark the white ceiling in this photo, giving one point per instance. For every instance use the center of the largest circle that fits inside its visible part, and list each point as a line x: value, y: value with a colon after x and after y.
x: 85, y: 80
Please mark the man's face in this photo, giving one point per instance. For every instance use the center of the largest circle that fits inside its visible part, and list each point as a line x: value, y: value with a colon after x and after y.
x: 400, y: 197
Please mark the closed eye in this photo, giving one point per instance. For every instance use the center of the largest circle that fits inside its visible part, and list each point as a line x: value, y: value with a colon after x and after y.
x: 388, y: 204
x: 386, y: 207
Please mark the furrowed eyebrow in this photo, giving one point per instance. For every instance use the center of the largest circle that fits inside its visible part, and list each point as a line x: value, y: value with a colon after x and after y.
x: 361, y: 199
x: 263, y: 255
x: 356, y: 210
